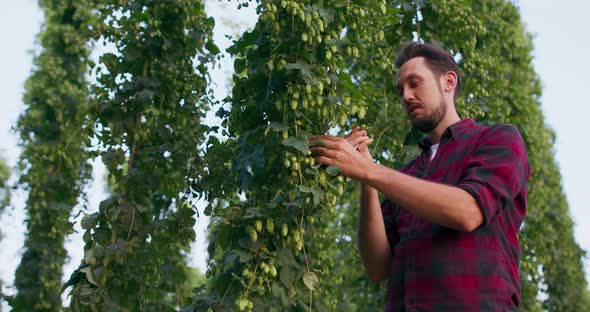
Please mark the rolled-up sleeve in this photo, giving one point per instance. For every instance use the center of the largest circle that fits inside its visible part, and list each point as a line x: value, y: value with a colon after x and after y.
x: 497, y: 170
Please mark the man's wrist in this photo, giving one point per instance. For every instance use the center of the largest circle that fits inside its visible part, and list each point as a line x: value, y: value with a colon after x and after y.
x: 370, y: 173
x: 367, y: 189
x: 365, y: 180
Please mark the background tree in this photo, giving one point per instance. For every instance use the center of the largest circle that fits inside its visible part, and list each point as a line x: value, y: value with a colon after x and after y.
x: 4, y: 187
x: 52, y: 164
x: 289, y: 83
x: 148, y: 103
x: 4, y: 202
x: 376, y: 39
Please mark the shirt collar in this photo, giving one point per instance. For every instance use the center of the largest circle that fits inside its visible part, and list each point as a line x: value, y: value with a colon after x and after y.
x: 452, y: 132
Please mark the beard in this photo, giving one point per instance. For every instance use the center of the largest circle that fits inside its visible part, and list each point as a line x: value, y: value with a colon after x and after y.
x: 430, y: 122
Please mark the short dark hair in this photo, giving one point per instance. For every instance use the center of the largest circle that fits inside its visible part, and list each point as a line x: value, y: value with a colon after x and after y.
x: 438, y: 60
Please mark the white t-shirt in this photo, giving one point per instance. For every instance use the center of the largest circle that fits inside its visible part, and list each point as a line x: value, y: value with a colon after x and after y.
x: 433, y: 150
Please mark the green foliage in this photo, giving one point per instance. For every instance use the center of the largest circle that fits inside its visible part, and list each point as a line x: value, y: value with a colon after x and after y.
x: 348, y: 288
x: 4, y: 201
x: 193, y: 277
x: 290, y: 83
x: 52, y: 135
x: 4, y: 187
x: 148, y: 103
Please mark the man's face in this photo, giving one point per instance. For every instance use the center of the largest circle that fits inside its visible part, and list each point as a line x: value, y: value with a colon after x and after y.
x: 422, y: 94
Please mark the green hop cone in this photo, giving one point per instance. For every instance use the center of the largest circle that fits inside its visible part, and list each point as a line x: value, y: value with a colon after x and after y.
x: 362, y: 112
x: 298, y: 244
x: 252, y: 233
x: 340, y: 190
x: 323, y: 177
x: 346, y: 101
x: 264, y: 267
x: 273, y: 270
x: 270, y: 226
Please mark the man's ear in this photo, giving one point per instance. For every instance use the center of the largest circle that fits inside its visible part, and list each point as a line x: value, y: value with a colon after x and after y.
x: 449, y: 81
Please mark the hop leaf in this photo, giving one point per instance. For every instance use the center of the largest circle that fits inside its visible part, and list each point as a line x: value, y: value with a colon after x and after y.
x: 310, y: 280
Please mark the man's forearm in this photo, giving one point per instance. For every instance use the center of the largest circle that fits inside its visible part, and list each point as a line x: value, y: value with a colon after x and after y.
x: 438, y: 203
x: 373, y: 245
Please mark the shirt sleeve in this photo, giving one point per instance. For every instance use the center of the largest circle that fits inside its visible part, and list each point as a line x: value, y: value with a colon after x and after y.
x: 497, y: 170
x: 388, y: 210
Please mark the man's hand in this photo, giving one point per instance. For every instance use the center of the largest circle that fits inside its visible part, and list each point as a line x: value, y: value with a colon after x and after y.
x: 361, y: 147
x: 341, y: 152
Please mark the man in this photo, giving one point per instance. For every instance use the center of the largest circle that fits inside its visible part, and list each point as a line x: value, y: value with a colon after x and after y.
x: 446, y: 235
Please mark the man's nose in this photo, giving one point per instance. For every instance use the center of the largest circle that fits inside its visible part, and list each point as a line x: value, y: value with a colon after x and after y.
x: 408, y: 96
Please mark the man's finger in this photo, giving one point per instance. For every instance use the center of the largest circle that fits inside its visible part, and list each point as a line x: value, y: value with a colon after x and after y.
x: 354, y: 130
x: 322, y: 151
x: 364, y: 144
x: 324, y: 137
x: 324, y: 143
x: 316, y: 143
x: 358, y: 140
x: 355, y: 133
x: 324, y: 161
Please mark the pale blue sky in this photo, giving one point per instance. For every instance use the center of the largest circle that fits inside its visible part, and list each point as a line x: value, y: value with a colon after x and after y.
x: 561, y: 52
x: 561, y: 58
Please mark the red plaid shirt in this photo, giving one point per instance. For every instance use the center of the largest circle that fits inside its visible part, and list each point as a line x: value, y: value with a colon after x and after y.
x: 435, y: 268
